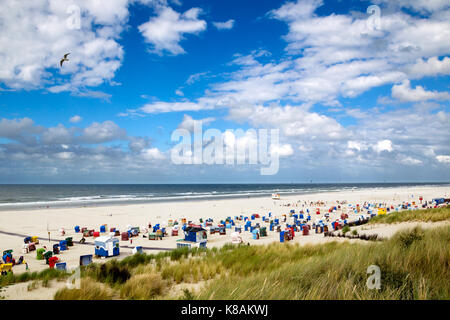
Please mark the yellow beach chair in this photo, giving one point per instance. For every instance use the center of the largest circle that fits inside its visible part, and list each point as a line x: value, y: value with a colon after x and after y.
x: 5, y: 267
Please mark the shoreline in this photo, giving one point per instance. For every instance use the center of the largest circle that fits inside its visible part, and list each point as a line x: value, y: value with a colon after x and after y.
x: 55, y: 204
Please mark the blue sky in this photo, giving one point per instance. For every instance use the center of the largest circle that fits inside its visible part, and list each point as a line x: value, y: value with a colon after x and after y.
x: 357, y: 94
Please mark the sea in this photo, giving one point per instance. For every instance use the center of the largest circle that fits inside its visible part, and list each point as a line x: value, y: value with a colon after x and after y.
x: 37, y: 196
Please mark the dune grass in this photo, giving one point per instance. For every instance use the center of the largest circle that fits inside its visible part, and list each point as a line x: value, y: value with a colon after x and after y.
x: 143, y: 287
x: 89, y: 290
x: 425, y: 215
x: 45, y: 275
x: 413, y: 264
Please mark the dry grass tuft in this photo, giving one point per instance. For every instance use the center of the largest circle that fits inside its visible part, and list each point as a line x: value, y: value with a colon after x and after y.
x: 89, y: 290
x: 143, y: 287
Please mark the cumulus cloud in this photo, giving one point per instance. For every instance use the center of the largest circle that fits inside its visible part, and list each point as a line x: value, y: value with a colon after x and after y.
x: 430, y: 67
x: 75, y: 119
x: 17, y: 129
x: 227, y: 25
x: 163, y: 107
x: 404, y: 92
x: 357, y: 145
x: 339, y: 57
x: 425, y: 6
x: 188, y: 122
x: 384, y: 145
x: 284, y: 150
x: 443, y: 159
x: 137, y: 144
x: 89, y: 30
x: 196, y: 77
x: 165, y: 31
x: 292, y: 121
x: 102, y: 132
x: 65, y: 155
x: 39, y: 152
x: 334, y: 56
x: 409, y: 160
x: 152, y: 154
x: 58, y: 135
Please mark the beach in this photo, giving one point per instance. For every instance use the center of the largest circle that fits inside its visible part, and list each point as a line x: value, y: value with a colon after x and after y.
x: 14, y: 225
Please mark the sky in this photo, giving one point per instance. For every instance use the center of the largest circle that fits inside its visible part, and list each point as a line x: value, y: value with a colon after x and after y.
x: 358, y: 90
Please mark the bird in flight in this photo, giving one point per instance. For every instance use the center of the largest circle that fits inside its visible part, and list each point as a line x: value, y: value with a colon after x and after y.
x: 64, y: 59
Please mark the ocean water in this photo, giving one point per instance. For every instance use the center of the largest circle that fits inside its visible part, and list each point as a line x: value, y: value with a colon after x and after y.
x: 29, y: 196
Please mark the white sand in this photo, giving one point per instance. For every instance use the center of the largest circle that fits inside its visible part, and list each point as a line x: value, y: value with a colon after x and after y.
x: 21, y: 291
x: 34, y: 222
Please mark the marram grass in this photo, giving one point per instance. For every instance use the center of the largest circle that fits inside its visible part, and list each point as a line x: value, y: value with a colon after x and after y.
x: 424, y: 215
x: 413, y: 265
x: 89, y: 290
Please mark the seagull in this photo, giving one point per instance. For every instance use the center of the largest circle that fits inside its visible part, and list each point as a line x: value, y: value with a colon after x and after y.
x: 64, y: 59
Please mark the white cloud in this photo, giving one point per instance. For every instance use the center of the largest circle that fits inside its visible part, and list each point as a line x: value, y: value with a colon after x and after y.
x: 163, y: 107
x: 357, y: 145
x: 341, y: 56
x: 383, y: 145
x: 443, y: 159
x: 333, y: 56
x: 227, y: 25
x: 188, y: 122
x: 152, y: 154
x: 58, y: 135
x: 37, y: 152
x: 195, y: 77
x: 419, y: 5
x: 34, y: 35
x: 165, y: 31
x: 102, y: 132
x: 244, y: 145
x: 18, y: 128
x: 404, y: 92
x: 431, y: 67
x: 250, y: 59
x: 137, y: 144
x: 284, y: 150
x: 409, y: 160
x: 65, y: 155
x: 292, y: 121
x: 75, y: 119
x: 336, y: 56
x: 293, y: 11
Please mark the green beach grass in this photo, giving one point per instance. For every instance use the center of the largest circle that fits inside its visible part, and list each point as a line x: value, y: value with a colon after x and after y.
x: 424, y: 215
x: 45, y: 275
